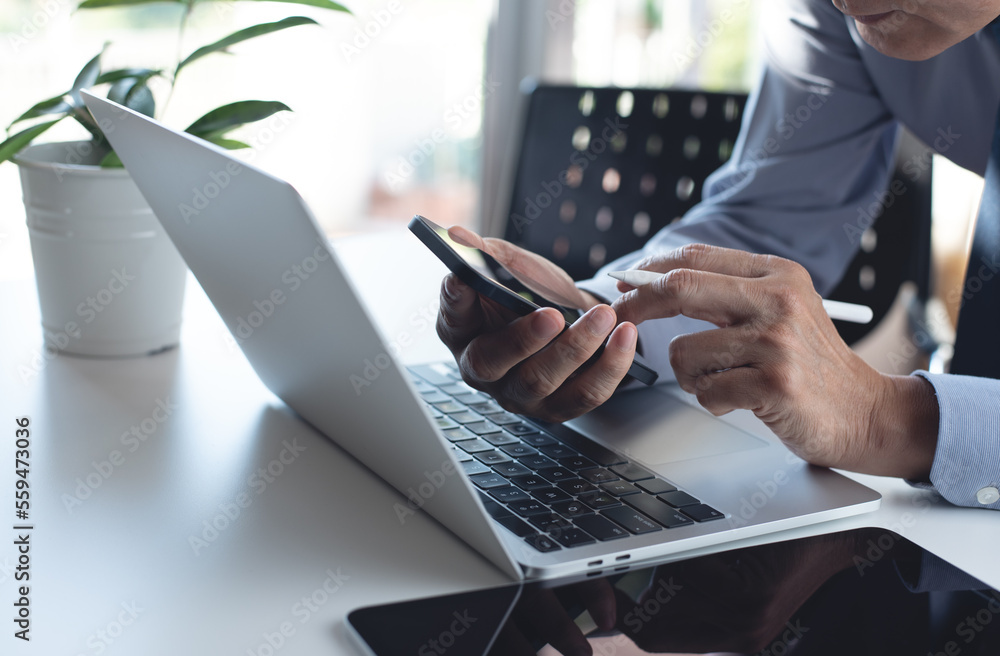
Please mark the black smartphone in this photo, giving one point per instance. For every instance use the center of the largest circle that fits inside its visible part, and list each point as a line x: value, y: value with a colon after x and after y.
x: 470, y: 267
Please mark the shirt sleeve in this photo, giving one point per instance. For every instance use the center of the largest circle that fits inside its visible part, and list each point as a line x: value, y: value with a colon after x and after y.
x: 967, y: 460
x: 816, y: 144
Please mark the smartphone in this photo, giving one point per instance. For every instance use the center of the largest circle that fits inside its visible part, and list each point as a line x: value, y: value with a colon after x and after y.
x: 470, y: 267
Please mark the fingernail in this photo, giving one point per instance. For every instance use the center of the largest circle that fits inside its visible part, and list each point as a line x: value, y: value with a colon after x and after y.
x: 545, y: 326
x: 626, y: 338
x: 601, y: 321
x: 452, y: 289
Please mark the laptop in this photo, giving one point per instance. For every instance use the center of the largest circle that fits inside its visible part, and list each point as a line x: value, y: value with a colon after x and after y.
x: 645, y: 477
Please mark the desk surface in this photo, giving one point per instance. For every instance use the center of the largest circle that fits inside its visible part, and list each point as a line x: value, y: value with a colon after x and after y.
x: 124, y: 557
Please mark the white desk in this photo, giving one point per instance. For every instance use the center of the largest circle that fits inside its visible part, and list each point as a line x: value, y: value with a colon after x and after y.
x: 120, y: 572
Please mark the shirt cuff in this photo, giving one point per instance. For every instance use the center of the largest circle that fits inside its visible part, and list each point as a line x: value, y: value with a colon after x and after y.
x: 966, y: 469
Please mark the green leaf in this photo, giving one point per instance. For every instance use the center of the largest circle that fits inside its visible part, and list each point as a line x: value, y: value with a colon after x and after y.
x: 134, y: 94
x: 111, y: 161
x: 323, y: 4
x: 16, y: 143
x: 122, y: 73
x: 98, y: 4
x: 228, y: 144
x: 56, y: 105
x: 243, y: 35
x: 222, y: 119
x: 88, y: 76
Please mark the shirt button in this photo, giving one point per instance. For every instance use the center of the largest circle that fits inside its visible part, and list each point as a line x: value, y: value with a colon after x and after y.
x: 988, y: 495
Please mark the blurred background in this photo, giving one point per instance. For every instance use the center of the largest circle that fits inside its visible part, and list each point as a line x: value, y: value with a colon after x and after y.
x: 408, y: 105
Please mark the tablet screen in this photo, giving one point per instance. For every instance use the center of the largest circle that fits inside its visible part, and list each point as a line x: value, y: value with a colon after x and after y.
x: 862, y: 592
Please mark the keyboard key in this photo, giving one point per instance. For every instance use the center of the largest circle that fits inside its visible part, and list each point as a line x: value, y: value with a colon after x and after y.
x: 575, y: 486
x: 528, y: 508
x: 655, y: 486
x: 602, y: 456
x: 576, y: 463
x: 444, y: 423
x: 519, y: 450
x: 473, y: 467
x: 459, y: 455
x: 458, y: 434
x: 516, y: 526
x: 509, y: 494
x: 521, y: 429
x: 465, y: 417
x: 599, y: 500
x: 550, y: 495
x: 619, y: 488
x: 598, y: 475
x: 702, y: 513
x: 488, y: 481
x: 500, y: 439
x: 557, y: 451
x: 549, y: 522
x: 483, y: 427
x: 556, y: 474
x: 538, y: 439
x: 659, y: 511
x: 678, y: 499
x: 472, y: 398
x: 600, y: 528
x: 530, y: 482
x: 571, y: 509
x: 495, y: 510
x: 542, y: 542
x: 571, y: 537
x: 456, y: 388
x: 492, y: 457
x: 504, y: 418
x: 449, y: 407
x: 487, y: 408
x: 511, y: 469
x: 632, y: 520
x: 632, y: 472
x: 435, y: 397
x: 537, y: 462
x: 435, y: 374
x: 474, y: 446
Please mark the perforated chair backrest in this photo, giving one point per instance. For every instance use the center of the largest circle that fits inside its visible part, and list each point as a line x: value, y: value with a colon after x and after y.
x: 600, y: 170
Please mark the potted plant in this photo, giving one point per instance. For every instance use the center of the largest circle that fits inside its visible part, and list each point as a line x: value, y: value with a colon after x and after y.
x: 109, y: 281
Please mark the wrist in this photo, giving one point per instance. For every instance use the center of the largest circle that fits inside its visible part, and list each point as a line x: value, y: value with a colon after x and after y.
x: 903, y: 428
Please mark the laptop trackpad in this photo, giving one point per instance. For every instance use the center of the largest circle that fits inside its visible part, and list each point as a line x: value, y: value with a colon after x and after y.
x: 655, y: 427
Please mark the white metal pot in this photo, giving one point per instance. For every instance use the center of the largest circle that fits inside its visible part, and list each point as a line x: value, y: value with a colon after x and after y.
x: 110, y: 282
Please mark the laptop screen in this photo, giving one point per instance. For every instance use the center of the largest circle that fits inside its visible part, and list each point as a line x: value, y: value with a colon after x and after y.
x: 861, y: 592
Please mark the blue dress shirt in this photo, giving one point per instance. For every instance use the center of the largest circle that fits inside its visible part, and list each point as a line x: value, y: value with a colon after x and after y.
x: 815, y: 152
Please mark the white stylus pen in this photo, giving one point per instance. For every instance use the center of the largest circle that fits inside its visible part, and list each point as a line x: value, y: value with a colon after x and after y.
x: 835, y: 309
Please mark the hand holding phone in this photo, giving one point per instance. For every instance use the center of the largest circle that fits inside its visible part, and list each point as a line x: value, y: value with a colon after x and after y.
x: 475, y: 274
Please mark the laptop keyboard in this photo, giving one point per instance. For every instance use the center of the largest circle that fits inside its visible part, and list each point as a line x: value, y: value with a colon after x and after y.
x: 553, y: 491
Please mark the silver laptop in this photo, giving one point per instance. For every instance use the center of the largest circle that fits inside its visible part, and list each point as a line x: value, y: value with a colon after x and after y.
x: 647, y: 476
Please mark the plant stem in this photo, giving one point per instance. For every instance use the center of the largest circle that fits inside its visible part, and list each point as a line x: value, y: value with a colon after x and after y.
x: 188, y: 8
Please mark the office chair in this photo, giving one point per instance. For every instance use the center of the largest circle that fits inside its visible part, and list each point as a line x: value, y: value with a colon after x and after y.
x: 600, y: 170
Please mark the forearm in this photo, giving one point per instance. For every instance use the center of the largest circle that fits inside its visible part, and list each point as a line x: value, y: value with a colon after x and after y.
x: 903, y: 429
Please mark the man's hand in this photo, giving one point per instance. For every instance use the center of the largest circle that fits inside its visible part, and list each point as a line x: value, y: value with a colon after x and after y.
x: 530, y: 364
x: 777, y: 353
